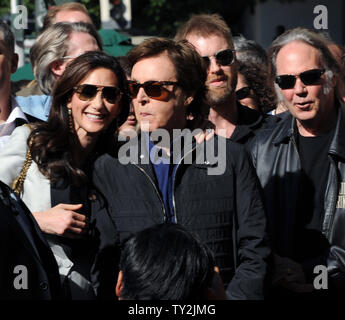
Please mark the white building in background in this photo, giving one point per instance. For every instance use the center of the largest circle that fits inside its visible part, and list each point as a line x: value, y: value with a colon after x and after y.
x: 262, y: 25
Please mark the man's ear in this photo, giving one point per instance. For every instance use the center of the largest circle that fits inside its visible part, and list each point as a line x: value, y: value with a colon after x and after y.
x: 58, y: 67
x: 119, y: 284
x: 14, y: 63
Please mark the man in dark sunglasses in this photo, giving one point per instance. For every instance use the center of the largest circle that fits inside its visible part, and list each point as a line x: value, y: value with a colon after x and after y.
x: 301, y: 168
x: 224, y: 209
x: 212, y: 38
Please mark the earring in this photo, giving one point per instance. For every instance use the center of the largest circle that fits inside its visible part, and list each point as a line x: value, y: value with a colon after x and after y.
x: 70, y: 121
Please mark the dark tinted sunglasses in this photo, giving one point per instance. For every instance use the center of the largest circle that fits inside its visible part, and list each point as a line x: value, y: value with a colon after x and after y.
x: 154, y: 89
x: 243, y: 93
x: 224, y: 58
x: 87, y: 92
x: 309, y: 77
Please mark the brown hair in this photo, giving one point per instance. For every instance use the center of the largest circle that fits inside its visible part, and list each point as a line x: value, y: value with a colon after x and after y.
x: 49, y: 18
x: 52, y: 147
x: 190, y: 68
x: 205, y: 25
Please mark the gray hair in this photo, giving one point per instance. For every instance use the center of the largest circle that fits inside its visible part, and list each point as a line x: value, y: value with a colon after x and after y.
x: 7, y: 37
x: 313, y: 39
x: 52, y: 45
x: 250, y: 50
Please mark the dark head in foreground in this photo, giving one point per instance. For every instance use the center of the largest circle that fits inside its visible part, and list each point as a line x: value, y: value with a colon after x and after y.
x: 165, y: 262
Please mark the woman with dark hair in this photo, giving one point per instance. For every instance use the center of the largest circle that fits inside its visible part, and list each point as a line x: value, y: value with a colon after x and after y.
x: 253, y: 89
x: 53, y: 161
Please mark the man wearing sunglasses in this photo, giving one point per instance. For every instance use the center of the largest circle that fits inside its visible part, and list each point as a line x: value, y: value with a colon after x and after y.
x: 167, y: 88
x: 301, y: 166
x: 212, y: 38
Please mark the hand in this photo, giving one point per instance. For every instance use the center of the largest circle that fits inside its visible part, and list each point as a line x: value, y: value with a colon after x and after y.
x: 216, y: 291
x: 206, y: 135
x: 63, y: 220
x: 289, y: 274
x: 207, y: 129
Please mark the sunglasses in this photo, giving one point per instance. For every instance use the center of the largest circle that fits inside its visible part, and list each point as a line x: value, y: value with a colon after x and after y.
x: 87, y: 92
x: 154, y: 89
x: 309, y: 77
x: 242, y: 93
x: 224, y: 57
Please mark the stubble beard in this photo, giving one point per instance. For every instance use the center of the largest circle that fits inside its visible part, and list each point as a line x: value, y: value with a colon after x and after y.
x: 220, y: 96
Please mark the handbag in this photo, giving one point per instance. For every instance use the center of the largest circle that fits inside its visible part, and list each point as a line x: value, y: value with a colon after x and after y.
x: 17, y: 184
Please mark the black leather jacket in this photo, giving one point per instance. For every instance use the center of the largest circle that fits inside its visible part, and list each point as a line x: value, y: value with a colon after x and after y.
x: 275, y: 156
x: 205, y: 204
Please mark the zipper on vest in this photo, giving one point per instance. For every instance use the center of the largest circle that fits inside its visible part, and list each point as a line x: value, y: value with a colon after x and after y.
x: 154, y: 186
x: 173, y: 189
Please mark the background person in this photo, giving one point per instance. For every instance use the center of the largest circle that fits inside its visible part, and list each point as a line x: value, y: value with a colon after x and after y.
x: 11, y: 114
x: 52, y: 51
x: 212, y: 38
x: 252, y: 89
x: 66, y: 12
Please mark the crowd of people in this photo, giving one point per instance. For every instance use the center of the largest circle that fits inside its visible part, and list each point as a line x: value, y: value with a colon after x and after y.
x: 201, y: 167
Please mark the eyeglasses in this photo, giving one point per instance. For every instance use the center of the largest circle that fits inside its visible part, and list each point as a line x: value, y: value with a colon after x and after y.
x: 87, y: 92
x: 309, y: 77
x: 224, y: 57
x: 154, y: 89
x: 243, y: 93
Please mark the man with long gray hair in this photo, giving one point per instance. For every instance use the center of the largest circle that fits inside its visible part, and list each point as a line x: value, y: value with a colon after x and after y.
x: 52, y: 51
x: 301, y: 166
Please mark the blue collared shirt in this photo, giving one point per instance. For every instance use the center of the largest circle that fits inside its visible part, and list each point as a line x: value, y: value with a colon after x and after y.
x: 37, y: 106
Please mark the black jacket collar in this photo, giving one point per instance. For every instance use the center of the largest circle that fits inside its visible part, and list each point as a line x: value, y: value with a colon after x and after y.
x: 249, y: 122
x: 248, y: 117
x: 288, y: 128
